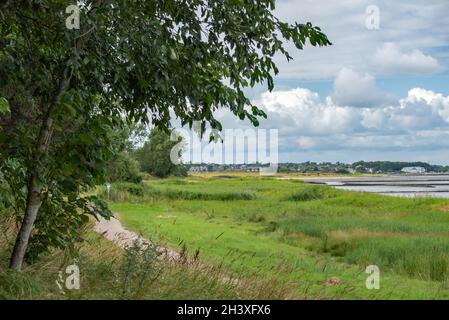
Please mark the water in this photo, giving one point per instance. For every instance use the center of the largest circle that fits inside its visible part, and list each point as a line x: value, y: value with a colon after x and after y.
x: 399, y: 186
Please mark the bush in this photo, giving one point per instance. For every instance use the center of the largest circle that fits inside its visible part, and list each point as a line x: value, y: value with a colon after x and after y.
x: 12, y: 175
x: 124, y: 191
x: 140, y: 268
x: 311, y: 193
x: 123, y: 168
x: 5, y: 201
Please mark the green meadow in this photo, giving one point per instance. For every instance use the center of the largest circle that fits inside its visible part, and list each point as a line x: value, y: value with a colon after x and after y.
x: 250, y: 237
x: 303, y: 241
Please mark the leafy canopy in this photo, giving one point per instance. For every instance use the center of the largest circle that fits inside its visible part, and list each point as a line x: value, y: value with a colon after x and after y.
x: 130, y: 61
x: 143, y: 58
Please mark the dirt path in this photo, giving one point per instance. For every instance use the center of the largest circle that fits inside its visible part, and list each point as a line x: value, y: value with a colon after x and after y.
x: 113, y: 230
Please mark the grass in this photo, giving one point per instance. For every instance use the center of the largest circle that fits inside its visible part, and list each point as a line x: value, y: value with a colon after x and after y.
x: 311, y: 193
x: 145, y: 192
x: 108, y: 272
x: 300, y: 235
x: 256, y: 238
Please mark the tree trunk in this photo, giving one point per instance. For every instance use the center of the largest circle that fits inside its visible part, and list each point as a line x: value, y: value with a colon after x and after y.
x: 34, y: 190
x: 33, y: 204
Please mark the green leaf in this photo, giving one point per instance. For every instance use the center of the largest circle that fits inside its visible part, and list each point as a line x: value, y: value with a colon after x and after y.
x: 173, y: 54
x: 4, y: 105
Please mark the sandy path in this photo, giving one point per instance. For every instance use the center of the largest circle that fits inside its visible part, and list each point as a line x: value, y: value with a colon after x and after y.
x: 113, y: 230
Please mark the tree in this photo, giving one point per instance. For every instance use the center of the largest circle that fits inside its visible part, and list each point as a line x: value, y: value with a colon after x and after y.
x: 123, y: 168
x: 154, y: 156
x: 129, y: 61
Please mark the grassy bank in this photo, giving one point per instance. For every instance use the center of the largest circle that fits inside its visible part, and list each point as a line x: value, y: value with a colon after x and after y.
x: 252, y: 238
x: 298, y: 236
x: 108, y: 272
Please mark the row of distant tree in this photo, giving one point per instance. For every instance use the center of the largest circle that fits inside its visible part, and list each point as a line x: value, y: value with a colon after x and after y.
x: 395, y: 166
x: 359, y: 167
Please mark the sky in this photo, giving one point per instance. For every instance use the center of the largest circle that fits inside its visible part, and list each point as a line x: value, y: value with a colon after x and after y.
x: 380, y: 92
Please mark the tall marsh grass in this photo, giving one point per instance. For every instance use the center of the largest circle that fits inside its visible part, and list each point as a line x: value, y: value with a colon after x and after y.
x: 405, y: 246
x: 420, y: 257
x: 130, y: 192
x: 317, y: 226
x: 312, y: 192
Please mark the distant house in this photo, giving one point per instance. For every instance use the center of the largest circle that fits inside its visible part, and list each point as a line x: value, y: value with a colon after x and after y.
x: 413, y: 170
x: 198, y: 169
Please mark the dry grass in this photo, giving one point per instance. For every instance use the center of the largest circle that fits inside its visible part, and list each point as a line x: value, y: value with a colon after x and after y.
x: 442, y: 207
x: 358, y: 234
x: 109, y: 272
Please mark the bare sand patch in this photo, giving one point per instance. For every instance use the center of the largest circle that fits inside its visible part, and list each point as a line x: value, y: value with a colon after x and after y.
x: 166, y: 216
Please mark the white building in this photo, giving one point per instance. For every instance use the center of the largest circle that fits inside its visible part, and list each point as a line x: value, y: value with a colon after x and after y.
x: 413, y: 170
x: 198, y: 169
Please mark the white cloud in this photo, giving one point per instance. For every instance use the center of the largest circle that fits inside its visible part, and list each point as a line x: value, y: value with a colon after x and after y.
x: 415, y: 127
x: 418, y: 28
x: 301, y: 110
x: 418, y: 122
x: 391, y: 60
x: 357, y: 90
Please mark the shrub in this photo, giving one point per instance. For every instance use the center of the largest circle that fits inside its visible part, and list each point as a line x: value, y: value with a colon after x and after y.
x: 311, y: 193
x: 124, y: 191
x: 123, y: 168
x: 140, y: 268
